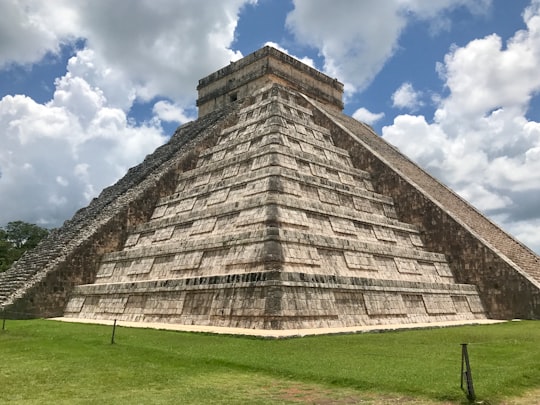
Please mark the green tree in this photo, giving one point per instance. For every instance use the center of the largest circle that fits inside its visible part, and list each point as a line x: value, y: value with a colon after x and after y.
x: 16, y: 238
x: 5, y: 248
x: 24, y: 235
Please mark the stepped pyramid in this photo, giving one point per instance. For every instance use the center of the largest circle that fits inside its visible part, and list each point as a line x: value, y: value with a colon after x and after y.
x: 276, y: 211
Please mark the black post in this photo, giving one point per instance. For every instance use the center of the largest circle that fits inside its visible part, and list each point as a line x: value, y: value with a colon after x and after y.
x: 113, y: 331
x: 466, y: 374
x: 4, y: 320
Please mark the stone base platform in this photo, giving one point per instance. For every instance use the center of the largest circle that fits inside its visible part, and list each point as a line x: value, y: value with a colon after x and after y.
x: 277, y: 301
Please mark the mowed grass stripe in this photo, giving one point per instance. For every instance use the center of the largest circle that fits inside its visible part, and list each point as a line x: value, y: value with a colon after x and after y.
x: 53, y: 362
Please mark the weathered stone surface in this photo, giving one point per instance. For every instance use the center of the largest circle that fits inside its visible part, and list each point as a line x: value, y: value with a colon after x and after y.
x: 276, y: 211
x: 285, y: 241
x: 267, y: 65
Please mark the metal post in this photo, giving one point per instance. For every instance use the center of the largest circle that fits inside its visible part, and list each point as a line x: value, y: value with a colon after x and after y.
x: 113, y: 332
x: 466, y: 374
x: 3, y: 320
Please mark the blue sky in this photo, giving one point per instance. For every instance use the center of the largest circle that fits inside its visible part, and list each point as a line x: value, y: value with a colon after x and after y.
x: 88, y: 88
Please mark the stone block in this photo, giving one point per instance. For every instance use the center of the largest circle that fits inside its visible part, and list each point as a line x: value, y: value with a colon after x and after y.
x: 106, y: 269
x: 360, y: 261
x: 204, y: 225
x: 112, y: 305
x: 163, y: 234
x: 342, y: 226
x: 218, y: 196
x: 439, y: 304
x: 140, y: 266
x: 384, y: 303
x: 132, y: 239
x: 328, y: 196
x: 407, y: 266
x: 187, y: 261
x: 384, y: 234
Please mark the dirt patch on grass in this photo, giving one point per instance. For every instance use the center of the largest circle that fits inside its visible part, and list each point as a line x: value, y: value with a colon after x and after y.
x: 300, y: 393
x: 315, y: 395
x: 311, y: 394
x: 530, y: 398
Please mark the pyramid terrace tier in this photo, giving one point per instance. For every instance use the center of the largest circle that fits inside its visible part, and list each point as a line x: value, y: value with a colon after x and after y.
x: 192, y: 195
x: 273, y: 162
x: 271, y: 116
x: 274, y: 300
x: 301, y: 136
x: 269, y: 211
x: 250, y: 155
x: 273, y: 184
x: 289, y: 213
x: 331, y: 159
x: 273, y: 249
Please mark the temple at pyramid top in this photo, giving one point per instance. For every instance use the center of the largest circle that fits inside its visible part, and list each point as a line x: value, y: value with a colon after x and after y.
x: 267, y: 65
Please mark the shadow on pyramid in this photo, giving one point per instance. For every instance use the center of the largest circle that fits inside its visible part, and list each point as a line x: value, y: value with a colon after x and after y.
x: 275, y: 211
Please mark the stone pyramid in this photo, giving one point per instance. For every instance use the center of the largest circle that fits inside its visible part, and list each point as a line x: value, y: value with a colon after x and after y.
x: 276, y: 211
x: 276, y: 229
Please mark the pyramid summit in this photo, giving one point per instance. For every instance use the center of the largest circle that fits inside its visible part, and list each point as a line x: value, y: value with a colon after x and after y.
x: 274, y: 210
x: 268, y: 65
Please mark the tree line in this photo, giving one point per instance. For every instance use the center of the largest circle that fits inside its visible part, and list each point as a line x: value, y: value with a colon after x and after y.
x: 16, y: 238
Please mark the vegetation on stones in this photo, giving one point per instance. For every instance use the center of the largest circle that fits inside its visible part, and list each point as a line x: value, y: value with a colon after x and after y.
x: 53, y: 362
x: 16, y: 238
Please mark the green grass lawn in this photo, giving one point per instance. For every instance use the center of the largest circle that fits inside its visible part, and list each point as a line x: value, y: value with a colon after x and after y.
x: 52, y: 362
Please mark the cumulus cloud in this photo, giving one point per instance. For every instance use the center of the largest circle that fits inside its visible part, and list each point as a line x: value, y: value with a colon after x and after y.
x: 480, y: 141
x: 154, y: 48
x: 406, y: 97
x: 356, y: 38
x: 364, y: 115
x: 56, y: 156
x: 28, y: 31
x: 170, y: 112
x: 163, y: 47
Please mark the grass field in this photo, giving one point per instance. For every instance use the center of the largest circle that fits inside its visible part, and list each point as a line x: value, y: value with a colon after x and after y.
x: 50, y: 362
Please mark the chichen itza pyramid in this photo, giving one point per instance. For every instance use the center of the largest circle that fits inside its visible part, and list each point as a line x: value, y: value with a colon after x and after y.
x: 274, y: 210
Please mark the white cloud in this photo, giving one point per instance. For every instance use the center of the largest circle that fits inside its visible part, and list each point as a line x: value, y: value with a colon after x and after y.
x: 364, y: 115
x: 356, y: 38
x: 119, y: 90
x: 526, y: 231
x: 170, y: 112
x: 480, y: 142
x: 484, y: 199
x: 155, y: 48
x: 56, y: 156
x: 406, y: 97
x: 29, y: 30
x: 163, y: 47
